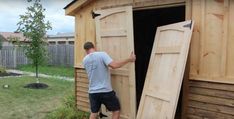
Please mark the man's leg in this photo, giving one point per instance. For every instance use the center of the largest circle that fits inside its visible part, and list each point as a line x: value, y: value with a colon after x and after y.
x: 93, y: 116
x: 112, y: 104
x: 95, y: 105
x: 115, y: 114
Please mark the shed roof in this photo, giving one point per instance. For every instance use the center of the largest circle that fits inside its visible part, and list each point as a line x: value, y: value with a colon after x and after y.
x: 74, y: 6
x: 70, y: 4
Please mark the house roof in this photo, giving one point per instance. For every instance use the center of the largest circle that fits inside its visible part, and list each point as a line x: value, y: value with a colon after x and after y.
x: 8, y: 35
x: 62, y: 35
x: 2, y: 38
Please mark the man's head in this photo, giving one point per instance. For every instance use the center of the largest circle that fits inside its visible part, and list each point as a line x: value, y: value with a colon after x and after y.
x: 89, y: 47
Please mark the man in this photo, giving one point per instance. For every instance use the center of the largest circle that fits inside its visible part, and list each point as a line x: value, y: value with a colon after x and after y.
x: 100, y: 90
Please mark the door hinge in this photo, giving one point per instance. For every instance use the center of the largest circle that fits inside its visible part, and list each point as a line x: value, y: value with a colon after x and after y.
x: 94, y: 14
x: 189, y: 25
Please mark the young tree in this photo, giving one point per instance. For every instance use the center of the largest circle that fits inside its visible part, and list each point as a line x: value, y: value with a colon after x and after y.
x: 33, y: 25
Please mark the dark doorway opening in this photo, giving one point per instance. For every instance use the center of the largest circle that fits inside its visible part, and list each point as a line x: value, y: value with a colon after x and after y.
x: 145, y: 26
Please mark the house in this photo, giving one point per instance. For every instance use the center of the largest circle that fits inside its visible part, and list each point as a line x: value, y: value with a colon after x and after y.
x: 12, y: 37
x: 207, y: 92
x: 61, y: 38
x: 3, y: 41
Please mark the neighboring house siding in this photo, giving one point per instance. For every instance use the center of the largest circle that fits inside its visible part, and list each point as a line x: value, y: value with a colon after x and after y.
x: 66, y: 38
x: 9, y: 36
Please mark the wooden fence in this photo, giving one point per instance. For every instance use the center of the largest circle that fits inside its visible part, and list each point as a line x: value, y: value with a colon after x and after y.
x: 59, y: 55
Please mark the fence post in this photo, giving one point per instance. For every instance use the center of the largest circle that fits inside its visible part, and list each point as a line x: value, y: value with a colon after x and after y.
x: 26, y: 58
x: 4, y: 58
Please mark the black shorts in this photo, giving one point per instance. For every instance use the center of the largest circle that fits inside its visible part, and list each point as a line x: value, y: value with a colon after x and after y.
x: 109, y: 99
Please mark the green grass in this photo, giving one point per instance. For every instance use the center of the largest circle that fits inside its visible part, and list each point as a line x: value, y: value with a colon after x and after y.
x: 22, y: 103
x: 68, y: 111
x: 50, y: 70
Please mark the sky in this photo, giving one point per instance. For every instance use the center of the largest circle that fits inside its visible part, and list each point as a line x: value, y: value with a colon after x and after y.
x: 11, y: 9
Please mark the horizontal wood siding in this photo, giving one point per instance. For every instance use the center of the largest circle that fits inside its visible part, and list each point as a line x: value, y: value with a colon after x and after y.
x: 81, y: 90
x: 210, y: 100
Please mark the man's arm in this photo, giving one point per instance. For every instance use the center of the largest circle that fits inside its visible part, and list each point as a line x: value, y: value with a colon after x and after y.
x: 118, y: 64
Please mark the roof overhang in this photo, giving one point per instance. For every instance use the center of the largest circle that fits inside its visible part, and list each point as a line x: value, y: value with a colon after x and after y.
x: 74, y: 6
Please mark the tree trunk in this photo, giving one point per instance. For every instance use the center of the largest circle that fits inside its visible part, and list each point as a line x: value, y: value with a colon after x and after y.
x: 37, y: 73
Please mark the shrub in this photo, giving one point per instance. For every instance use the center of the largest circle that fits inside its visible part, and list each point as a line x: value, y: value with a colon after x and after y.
x: 2, y: 70
x: 68, y: 111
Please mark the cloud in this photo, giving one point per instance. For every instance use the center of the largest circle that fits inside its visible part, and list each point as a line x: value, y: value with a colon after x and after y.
x: 11, y: 9
x: 9, y: 17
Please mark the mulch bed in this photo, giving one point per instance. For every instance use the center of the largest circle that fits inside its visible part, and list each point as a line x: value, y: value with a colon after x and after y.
x: 36, y: 86
x: 9, y: 74
x: 31, y: 85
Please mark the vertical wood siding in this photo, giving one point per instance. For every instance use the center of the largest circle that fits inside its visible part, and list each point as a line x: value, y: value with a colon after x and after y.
x: 213, y: 40
x: 85, y: 25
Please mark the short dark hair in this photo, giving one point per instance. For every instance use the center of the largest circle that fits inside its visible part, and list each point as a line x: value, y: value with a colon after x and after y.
x: 88, y: 45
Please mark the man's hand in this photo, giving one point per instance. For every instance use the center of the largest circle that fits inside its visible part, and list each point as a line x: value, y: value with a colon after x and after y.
x: 132, y: 57
x: 118, y: 64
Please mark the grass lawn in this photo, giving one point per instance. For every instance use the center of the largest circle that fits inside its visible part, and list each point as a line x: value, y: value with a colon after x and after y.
x: 22, y: 103
x: 50, y: 70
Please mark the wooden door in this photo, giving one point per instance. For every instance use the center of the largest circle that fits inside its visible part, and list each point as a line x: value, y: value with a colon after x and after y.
x: 165, y: 72
x: 114, y: 34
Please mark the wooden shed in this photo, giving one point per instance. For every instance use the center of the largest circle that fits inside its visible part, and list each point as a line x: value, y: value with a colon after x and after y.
x: 208, y: 85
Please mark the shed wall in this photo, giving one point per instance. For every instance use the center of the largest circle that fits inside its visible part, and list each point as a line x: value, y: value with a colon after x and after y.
x: 85, y: 26
x: 211, y: 60
x: 81, y: 90
x: 84, y: 31
x: 213, y: 40
x: 210, y: 100
x: 211, y: 53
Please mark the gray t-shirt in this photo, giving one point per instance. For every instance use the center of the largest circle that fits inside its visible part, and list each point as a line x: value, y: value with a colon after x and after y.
x: 96, y: 66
